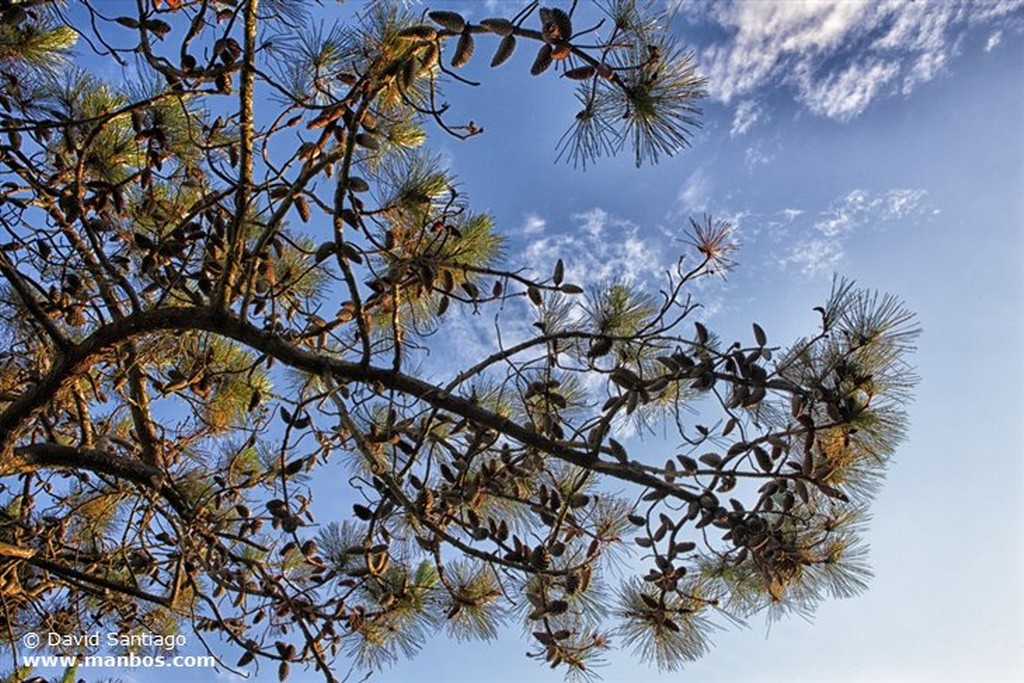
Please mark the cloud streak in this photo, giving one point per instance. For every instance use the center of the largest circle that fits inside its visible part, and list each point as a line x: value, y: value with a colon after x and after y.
x: 695, y: 193
x: 822, y: 244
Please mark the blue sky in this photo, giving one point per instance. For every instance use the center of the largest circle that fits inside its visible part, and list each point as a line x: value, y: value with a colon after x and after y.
x: 883, y: 141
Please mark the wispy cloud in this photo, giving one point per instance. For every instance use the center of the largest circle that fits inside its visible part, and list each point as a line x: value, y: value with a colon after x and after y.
x: 836, y: 55
x: 748, y: 112
x: 844, y: 94
x: 533, y: 224
x: 595, y: 246
x: 696, y: 191
x: 993, y: 41
x: 756, y: 155
x: 815, y: 255
x: 600, y: 247
x: 821, y: 244
x: 469, y: 335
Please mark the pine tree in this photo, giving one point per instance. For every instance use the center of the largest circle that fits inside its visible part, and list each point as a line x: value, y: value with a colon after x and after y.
x: 219, y: 285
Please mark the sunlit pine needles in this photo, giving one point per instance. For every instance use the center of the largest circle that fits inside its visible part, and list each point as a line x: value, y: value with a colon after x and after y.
x: 715, y: 241
x: 662, y: 87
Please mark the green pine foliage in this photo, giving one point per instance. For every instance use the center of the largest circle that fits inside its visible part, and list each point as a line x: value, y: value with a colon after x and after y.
x: 221, y: 289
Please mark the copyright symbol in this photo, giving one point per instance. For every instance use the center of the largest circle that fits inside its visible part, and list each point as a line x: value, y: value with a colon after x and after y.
x: 30, y: 640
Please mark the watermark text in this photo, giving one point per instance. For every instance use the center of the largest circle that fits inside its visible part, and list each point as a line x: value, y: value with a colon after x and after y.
x: 135, y: 651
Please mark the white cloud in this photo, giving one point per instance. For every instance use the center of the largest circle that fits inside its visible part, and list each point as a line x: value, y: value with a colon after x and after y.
x: 766, y: 35
x: 600, y: 248
x: 822, y: 244
x: 815, y: 256
x: 837, y: 55
x: 696, y: 191
x: 994, y: 40
x: 902, y: 203
x: 984, y: 12
x: 595, y: 247
x: 468, y: 337
x: 755, y: 155
x: 593, y: 221
x: 847, y: 93
x: 533, y: 224
x: 748, y: 112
